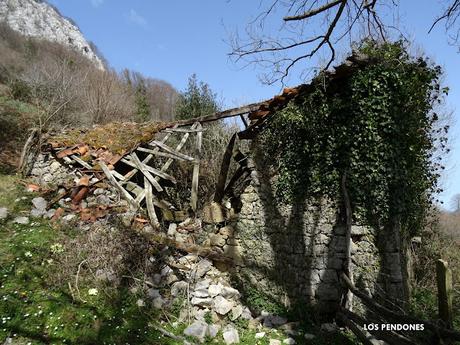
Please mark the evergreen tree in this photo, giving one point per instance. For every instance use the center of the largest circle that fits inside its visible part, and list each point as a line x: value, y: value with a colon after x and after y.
x: 197, y: 100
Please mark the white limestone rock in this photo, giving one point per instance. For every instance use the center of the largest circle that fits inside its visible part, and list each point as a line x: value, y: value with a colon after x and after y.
x: 197, y: 329
x: 230, y: 335
x: 221, y: 305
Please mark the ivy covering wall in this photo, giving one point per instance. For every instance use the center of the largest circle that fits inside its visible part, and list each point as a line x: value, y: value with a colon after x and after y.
x: 377, y: 127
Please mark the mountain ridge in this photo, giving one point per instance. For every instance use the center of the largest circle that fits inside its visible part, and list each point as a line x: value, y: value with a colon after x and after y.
x: 39, y: 19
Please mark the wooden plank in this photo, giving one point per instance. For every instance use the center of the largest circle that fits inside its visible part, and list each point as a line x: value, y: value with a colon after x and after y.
x: 112, y: 180
x: 118, y: 175
x: 183, y: 130
x: 244, y: 121
x: 196, y: 170
x: 146, y: 173
x: 146, y: 160
x: 149, y: 201
x: 171, y: 150
x: 162, y: 154
x: 154, y: 171
x: 220, y: 186
x: 379, y: 309
x: 177, y: 149
x: 223, y: 114
x: 81, y: 162
x: 444, y: 282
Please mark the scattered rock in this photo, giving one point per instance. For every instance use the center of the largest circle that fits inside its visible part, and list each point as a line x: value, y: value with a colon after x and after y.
x: 231, y: 335
x: 21, y: 220
x: 158, y: 302
x: 198, y: 329
x: 213, y: 330
x: 246, y: 314
x: 153, y: 293
x: 214, y: 290
x: 217, y: 240
x: 274, y: 342
x: 36, y: 213
x: 3, y: 213
x: 271, y: 321
x: 156, y: 279
x: 229, y: 292
x: 236, y: 312
x: 201, y: 268
x: 172, y: 278
x: 40, y: 203
x: 308, y: 336
x: 178, y: 287
x: 329, y: 327
x: 204, y: 302
x: 260, y: 335
x: 166, y: 270
x: 289, y: 341
x: 221, y: 305
x: 68, y: 218
x: 140, y: 303
x: 50, y: 213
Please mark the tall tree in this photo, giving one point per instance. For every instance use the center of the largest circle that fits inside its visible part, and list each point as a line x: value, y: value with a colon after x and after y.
x: 197, y: 100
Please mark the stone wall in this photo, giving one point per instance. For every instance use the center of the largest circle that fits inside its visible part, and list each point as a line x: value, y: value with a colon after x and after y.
x: 295, y: 253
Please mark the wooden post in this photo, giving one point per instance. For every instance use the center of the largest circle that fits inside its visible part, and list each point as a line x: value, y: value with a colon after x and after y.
x: 444, y: 280
x: 196, y: 170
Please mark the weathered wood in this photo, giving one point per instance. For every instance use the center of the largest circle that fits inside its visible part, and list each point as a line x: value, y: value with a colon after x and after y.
x: 147, y: 159
x: 112, y: 179
x: 385, y: 312
x: 171, y: 150
x: 183, y: 130
x: 223, y: 114
x: 146, y: 173
x: 118, y: 175
x: 81, y: 162
x: 244, y: 121
x: 162, y: 154
x: 26, y: 149
x: 196, y: 170
x: 444, y: 282
x: 220, y: 186
x: 390, y: 337
x: 136, y: 163
x: 177, y: 149
x: 149, y: 201
x: 363, y: 336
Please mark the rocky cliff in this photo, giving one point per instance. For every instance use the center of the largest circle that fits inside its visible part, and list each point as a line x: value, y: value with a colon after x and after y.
x: 37, y: 18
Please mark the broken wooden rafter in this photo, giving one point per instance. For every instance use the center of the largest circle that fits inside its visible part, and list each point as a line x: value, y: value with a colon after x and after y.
x: 143, y: 169
x: 149, y: 201
x: 164, y: 154
x: 146, y: 160
x: 223, y: 114
x: 226, y: 159
x: 136, y: 163
x: 81, y: 162
x: 171, y: 150
x: 112, y: 179
x: 196, y: 169
x: 177, y: 149
x: 184, y: 130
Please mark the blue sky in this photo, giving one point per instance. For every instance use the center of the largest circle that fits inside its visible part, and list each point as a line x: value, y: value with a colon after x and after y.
x: 173, y: 39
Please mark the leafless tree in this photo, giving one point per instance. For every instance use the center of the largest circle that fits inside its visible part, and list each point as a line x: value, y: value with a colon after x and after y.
x: 315, y: 28
x: 455, y: 203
